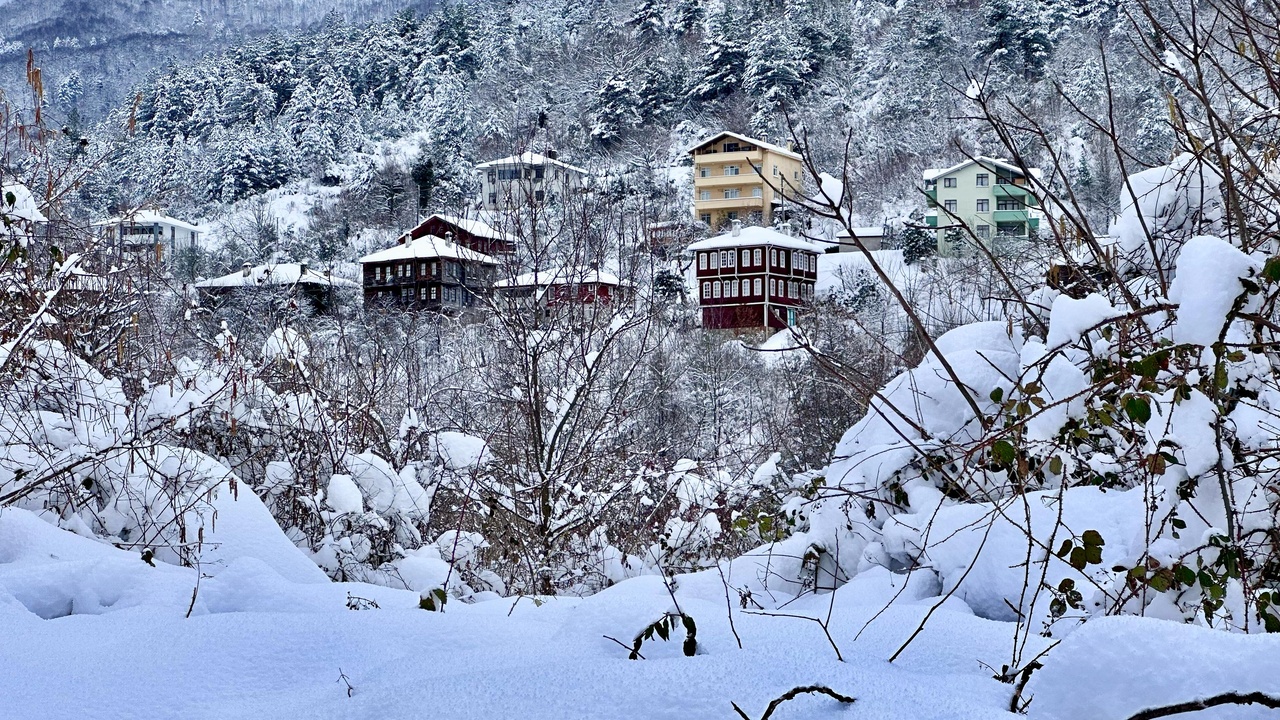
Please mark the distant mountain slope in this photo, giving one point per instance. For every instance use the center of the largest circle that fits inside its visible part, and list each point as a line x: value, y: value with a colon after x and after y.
x: 105, y: 47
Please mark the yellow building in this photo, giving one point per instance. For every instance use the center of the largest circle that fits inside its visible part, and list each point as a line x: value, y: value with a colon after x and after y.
x: 739, y: 178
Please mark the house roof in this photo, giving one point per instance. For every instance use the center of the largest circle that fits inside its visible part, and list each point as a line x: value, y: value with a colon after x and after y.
x: 276, y: 274
x: 474, y: 227
x: 560, y: 276
x: 428, y: 246
x: 752, y: 141
x: 528, y: 158
x: 752, y: 236
x: 146, y: 217
x: 869, y: 231
x: 935, y: 173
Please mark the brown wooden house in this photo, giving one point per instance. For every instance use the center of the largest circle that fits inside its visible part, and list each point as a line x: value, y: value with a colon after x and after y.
x: 428, y: 273
x: 470, y: 233
x: 754, y: 277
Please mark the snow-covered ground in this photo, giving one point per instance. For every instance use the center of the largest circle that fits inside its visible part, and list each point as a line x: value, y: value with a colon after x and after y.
x: 92, y: 631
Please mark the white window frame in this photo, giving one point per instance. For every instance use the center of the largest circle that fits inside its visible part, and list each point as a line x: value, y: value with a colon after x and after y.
x: 949, y: 206
x: 948, y: 182
x: 746, y: 258
x: 759, y: 287
x: 706, y: 290
x: 702, y: 261
x: 715, y: 289
x: 983, y: 180
x: 704, y: 194
x: 732, y: 193
x: 758, y: 257
x: 983, y: 205
x: 731, y: 170
x: 757, y: 192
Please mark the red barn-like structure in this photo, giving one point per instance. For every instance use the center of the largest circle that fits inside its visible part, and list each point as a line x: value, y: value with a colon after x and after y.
x: 754, y: 277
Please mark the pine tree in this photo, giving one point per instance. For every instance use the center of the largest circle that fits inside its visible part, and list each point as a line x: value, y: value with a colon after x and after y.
x: 649, y: 20
x: 725, y: 59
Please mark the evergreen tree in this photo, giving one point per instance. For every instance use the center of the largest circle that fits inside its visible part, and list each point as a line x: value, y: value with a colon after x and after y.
x: 648, y: 20
x: 724, y: 60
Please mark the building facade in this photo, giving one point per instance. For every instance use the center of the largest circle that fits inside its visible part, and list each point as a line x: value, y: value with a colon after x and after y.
x: 553, y: 290
x: 147, y: 235
x: 739, y: 178
x: 520, y: 180
x: 295, y: 279
x: 754, y: 277
x: 428, y: 273
x: 990, y: 196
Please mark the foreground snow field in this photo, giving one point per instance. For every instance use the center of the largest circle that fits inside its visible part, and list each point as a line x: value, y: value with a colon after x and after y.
x: 93, y: 632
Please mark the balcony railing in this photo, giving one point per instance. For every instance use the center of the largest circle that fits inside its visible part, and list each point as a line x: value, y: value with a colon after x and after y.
x: 729, y: 203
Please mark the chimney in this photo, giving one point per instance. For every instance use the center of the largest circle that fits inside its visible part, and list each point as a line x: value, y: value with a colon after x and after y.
x: 553, y: 155
x: 246, y: 270
x: 737, y: 228
x: 408, y: 239
x: 448, y: 238
x: 785, y: 228
x: 302, y: 268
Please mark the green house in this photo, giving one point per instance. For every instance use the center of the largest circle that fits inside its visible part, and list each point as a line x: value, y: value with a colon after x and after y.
x: 993, y: 197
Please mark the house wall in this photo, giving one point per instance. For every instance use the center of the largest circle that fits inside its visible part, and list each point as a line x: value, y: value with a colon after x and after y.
x: 785, y: 286
x: 440, y: 228
x: 967, y: 194
x: 497, y: 192
x: 439, y: 284
x: 718, y: 211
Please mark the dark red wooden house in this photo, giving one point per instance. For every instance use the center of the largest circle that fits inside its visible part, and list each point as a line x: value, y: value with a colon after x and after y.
x: 754, y: 277
x: 472, y: 234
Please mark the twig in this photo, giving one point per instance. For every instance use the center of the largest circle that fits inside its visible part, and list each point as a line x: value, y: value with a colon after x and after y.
x: 791, y: 695
x: 728, y: 605
x: 1227, y: 698
x: 628, y: 648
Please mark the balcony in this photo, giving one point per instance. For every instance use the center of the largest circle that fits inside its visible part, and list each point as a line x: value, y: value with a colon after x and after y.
x: 747, y: 177
x: 730, y: 204
x: 754, y: 157
x: 932, y: 194
x: 1010, y: 216
x: 1015, y: 192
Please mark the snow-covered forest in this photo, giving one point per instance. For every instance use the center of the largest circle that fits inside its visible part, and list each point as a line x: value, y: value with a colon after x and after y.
x: 975, y: 476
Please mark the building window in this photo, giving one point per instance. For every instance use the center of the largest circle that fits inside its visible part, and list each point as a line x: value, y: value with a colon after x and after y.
x: 948, y: 182
x: 984, y: 205
x: 704, y: 194
x: 1002, y: 180
x: 758, y: 256
x: 702, y: 261
x: 984, y: 231
x: 377, y: 274
x: 715, y: 261
x: 704, y: 172
x: 715, y: 289
x: 759, y: 285
x: 1008, y: 204
x: 493, y: 198
x: 422, y: 293
x: 775, y: 171
x: 705, y: 218
x: 949, y: 205
x: 773, y: 257
x: 433, y: 292
x: 782, y: 259
x: 983, y: 179
x: 746, y: 258
x: 757, y: 192
x: 795, y: 258
x: 538, y: 173
x: 538, y: 195
x: 732, y: 193
x: 706, y: 290
x: 732, y: 215
x: 730, y: 258
x: 422, y: 268
x: 730, y: 169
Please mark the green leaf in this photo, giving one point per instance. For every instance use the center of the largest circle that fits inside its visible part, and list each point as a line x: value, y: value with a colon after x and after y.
x: 997, y: 395
x: 1092, y: 537
x: 1137, y: 408
x: 1271, y: 270
x: 1066, y: 548
x: 1093, y: 554
x: 1159, y: 583
x: 1079, y: 560
x: 1185, y: 575
x: 663, y: 631
x: 1004, y: 452
x: 1055, y: 465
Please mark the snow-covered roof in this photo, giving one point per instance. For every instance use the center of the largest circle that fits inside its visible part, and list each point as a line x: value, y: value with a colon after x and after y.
x: 754, y: 235
x: 146, y: 217
x: 561, y: 276
x: 528, y: 158
x: 477, y: 228
x: 276, y: 274
x: 25, y: 206
x: 750, y: 141
x: 428, y: 246
x: 935, y: 173
x: 868, y: 231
